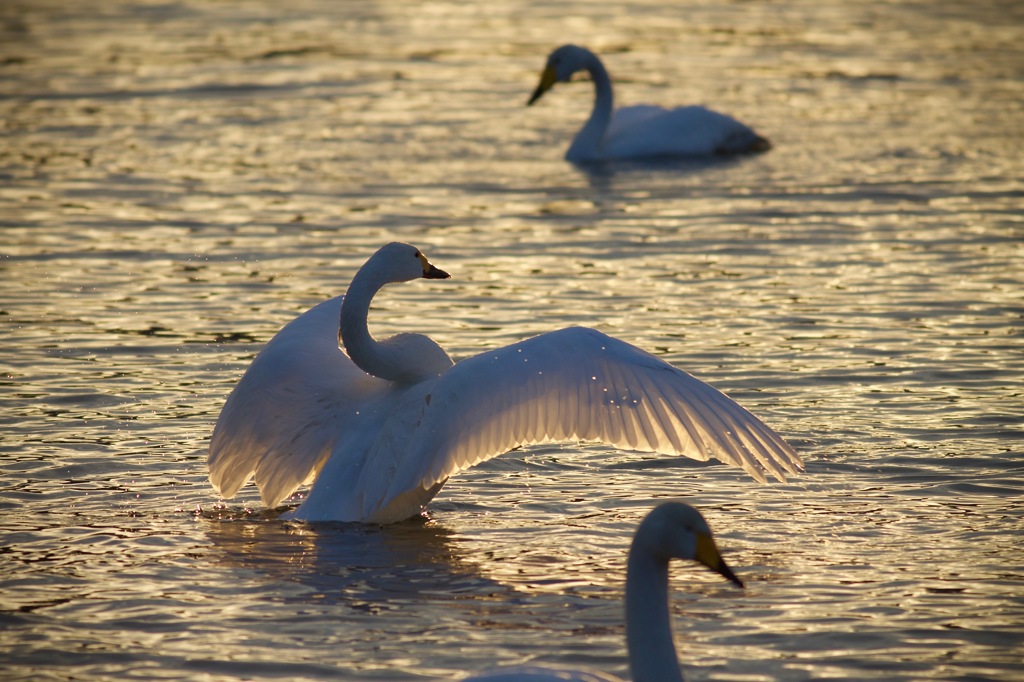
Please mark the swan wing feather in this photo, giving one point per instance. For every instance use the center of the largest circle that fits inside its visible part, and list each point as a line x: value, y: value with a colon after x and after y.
x: 580, y: 384
x: 283, y: 418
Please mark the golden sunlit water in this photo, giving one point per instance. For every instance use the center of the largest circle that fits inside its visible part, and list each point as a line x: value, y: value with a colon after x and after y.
x: 181, y: 178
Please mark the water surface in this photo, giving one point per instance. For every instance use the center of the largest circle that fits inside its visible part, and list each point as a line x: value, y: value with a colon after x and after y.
x: 181, y: 178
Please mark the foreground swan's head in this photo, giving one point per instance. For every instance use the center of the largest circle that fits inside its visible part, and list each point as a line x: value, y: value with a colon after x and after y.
x: 672, y: 530
x: 675, y: 530
x: 561, y: 65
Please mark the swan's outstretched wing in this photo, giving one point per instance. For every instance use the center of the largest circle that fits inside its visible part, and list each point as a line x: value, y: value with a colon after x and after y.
x: 578, y: 383
x: 281, y: 421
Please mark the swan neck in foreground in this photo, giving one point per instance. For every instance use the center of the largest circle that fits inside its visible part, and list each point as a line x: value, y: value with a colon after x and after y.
x: 652, y: 653
x: 588, y: 141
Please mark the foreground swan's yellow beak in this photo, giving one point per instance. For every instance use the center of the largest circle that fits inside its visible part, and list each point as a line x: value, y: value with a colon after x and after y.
x: 434, y: 272
x: 707, y: 554
x: 547, y: 79
x: 430, y: 271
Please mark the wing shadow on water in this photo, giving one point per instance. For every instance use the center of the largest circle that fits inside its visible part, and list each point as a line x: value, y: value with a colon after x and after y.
x: 364, y: 565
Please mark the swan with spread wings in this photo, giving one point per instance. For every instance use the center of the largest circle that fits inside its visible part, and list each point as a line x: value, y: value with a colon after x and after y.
x: 378, y: 426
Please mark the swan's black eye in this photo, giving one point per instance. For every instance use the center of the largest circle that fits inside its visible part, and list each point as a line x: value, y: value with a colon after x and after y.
x: 418, y: 255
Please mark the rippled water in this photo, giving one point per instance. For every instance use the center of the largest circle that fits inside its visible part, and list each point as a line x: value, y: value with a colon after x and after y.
x: 181, y: 178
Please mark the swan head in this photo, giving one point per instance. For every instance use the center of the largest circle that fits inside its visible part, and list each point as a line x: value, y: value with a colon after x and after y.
x: 675, y: 530
x: 403, y: 358
x: 400, y: 262
x: 562, y: 63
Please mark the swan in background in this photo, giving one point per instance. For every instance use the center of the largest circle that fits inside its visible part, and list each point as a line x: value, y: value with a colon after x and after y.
x: 672, y: 530
x: 641, y: 131
x: 381, y: 425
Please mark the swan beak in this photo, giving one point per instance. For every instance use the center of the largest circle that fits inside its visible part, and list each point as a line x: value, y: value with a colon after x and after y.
x: 707, y: 554
x: 429, y: 271
x: 432, y: 272
x: 547, y: 79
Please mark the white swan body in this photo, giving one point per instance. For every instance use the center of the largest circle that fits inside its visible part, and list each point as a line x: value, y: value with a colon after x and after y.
x: 642, y: 131
x: 382, y: 427
x: 672, y: 530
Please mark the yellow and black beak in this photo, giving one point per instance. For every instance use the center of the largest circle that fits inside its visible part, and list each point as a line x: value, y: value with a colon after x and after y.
x: 707, y: 554
x: 547, y: 79
x: 430, y: 271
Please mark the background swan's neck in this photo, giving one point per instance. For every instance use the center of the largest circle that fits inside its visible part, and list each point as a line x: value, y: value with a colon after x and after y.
x: 652, y: 653
x: 586, y: 146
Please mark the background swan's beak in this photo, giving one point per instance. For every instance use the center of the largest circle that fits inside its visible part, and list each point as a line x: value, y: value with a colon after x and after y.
x: 433, y: 272
x: 547, y: 79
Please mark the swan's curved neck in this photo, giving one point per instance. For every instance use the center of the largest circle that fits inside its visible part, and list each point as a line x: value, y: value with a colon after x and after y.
x: 652, y: 653
x: 587, y: 143
x: 353, y: 332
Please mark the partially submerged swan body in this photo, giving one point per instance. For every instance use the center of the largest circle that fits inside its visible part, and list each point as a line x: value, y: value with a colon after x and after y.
x: 672, y: 530
x: 379, y: 426
x: 641, y: 131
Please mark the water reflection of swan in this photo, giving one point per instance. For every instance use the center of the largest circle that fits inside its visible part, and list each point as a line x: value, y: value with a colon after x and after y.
x: 348, y: 564
x: 643, y: 130
x: 673, y: 530
x: 381, y: 428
